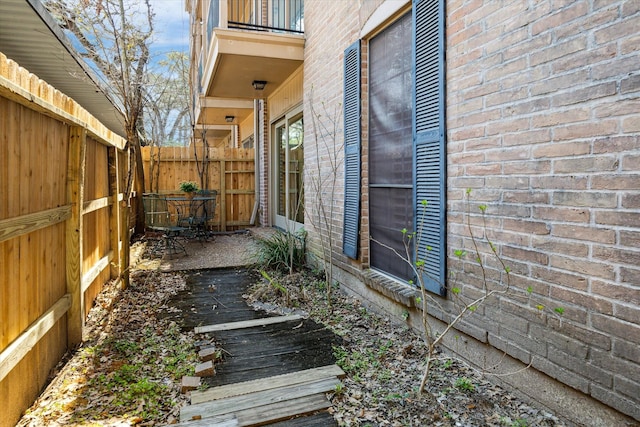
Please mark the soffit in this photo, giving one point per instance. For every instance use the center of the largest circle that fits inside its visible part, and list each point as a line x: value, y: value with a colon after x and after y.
x: 30, y: 37
x: 238, y: 57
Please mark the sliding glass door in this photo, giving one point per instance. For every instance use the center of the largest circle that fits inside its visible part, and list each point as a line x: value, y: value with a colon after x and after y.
x: 288, y: 149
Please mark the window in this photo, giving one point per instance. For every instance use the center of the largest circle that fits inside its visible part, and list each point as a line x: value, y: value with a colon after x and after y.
x: 390, y: 146
x: 406, y: 143
x: 288, y: 14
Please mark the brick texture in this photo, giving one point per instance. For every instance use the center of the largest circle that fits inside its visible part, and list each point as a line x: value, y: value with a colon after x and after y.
x: 542, y: 123
x: 568, y: 100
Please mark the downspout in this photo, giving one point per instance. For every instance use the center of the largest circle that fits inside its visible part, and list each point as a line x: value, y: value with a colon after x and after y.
x: 256, y: 161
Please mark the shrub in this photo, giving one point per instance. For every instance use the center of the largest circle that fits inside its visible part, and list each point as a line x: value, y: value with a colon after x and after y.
x: 282, y: 251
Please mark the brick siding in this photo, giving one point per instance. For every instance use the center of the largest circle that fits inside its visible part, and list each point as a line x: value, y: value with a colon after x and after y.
x: 543, y: 116
x: 542, y: 135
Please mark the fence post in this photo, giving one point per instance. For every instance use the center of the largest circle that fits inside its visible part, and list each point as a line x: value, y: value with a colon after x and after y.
x: 223, y: 195
x: 123, y: 208
x: 74, y: 232
x: 114, y: 213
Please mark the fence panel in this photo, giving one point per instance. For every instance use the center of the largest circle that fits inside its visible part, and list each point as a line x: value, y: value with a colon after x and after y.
x: 230, y: 171
x: 56, y: 229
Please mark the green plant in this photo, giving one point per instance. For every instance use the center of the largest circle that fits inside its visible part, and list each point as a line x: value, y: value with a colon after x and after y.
x: 447, y: 363
x: 188, y: 186
x: 464, y: 384
x: 282, y: 251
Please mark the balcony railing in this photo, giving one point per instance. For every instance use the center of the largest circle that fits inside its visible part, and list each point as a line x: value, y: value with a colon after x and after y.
x: 258, y: 15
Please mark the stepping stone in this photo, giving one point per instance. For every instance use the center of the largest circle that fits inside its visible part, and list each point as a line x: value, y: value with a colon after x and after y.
x: 205, y: 369
x: 209, y: 353
x: 189, y: 383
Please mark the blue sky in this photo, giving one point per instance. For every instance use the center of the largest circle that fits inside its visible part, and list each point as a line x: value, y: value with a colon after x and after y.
x: 171, y: 27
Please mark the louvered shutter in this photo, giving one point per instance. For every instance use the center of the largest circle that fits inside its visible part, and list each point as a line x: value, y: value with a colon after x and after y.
x: 429, y: 140
x: 351, y: 104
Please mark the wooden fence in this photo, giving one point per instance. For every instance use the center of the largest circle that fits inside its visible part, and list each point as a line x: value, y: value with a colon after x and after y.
x: 63, y: 228
x: 230, y: 171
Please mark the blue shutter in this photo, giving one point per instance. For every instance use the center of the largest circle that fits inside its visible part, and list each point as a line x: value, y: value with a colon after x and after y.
x: 351, y: 228
x: 429, y: 140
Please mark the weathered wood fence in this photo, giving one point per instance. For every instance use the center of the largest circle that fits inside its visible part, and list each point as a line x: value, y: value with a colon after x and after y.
x: 63, y: 228
x: 229, y: 171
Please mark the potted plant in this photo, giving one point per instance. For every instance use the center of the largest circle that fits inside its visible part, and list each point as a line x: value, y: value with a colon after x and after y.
x: 189, y: 187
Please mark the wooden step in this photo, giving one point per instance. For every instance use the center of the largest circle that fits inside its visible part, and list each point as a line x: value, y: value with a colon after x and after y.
x: 246, y: 323
x: 308, y: 375
x: 265, y: 414
x: 224, y: 421
x: 285, y: 398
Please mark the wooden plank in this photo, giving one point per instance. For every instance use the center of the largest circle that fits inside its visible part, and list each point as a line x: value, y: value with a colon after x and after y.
x: 93, y: 272
x: 238, y: 404
x: 283, y: 410
x: 246, y: 323
x: 25, y: 224
x: 94, y: 205
x: 54, y: 109
x: 223, y: 196
x: 308, y: 375
x: 75, y: 194
x: 14, y: 353
x: 225, y: 421
x: 114, y: 212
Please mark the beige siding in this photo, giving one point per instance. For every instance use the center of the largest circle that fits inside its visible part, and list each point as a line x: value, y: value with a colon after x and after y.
x: 288, y: 95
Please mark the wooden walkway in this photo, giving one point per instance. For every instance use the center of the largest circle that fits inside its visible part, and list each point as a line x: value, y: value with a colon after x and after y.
x: 276, y: 370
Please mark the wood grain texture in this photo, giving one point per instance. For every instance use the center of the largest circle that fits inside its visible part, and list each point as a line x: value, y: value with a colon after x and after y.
x: 14, y: 353
x: 49, y: 236
x: 262, y: 384
x: 246, y: 323
x: 25, y: 224
x: 285, y: 398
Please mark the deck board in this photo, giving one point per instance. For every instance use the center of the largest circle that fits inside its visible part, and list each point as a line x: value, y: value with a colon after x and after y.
x: 237, y: 405
x: 246, y: 324
x: 308, y: 375
x: 269, y: 374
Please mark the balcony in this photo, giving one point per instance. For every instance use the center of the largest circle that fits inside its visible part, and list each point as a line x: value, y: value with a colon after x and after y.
x: 245, y: 41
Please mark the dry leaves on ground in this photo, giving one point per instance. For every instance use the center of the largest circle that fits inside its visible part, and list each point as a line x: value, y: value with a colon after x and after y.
x: 128, y: 369
x: 384, y: 363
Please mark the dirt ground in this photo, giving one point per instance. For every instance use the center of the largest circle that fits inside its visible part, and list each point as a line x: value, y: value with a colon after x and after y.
x: 127, y: 371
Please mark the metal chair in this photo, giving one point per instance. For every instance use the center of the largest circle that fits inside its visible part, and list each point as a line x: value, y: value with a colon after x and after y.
x: 202, y: 212
x: 158, y: 218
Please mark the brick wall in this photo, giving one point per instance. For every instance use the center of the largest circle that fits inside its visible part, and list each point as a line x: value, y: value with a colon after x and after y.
x: 330, y: 27
x: 543, y: 117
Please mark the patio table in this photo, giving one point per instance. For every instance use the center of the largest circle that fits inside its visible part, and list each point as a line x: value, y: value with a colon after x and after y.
x: 194, y: 213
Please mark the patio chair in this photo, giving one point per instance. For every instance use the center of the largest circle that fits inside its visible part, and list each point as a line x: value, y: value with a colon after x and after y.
x: 202, y: 212
x: 158, y: 218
